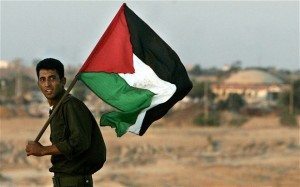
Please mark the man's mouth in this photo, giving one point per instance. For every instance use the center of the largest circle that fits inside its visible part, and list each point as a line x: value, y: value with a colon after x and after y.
x: 48, y: 91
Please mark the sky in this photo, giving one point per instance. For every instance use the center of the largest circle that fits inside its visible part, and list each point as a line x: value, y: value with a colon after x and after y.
x: 208, y: 33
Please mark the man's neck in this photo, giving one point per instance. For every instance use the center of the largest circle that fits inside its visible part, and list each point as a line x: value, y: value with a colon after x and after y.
x: 53, y: 102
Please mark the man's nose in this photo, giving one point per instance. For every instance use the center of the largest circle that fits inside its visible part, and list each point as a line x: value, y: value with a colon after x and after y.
x: 47, y: 83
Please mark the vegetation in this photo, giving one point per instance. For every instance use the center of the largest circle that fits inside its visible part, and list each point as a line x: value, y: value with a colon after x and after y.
x: 285, y: 97
x: 196, y: 70
x: 18, y: 80
x: 233, y: 103
x: 288, y: 119
x: 212, y: 119
x: 198, y: 90
x: 288, y: 116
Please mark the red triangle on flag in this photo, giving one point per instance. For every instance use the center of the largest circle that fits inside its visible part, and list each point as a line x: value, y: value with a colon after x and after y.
x: 113, y: 53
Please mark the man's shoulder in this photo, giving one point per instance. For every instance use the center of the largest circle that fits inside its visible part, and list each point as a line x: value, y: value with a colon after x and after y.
x: 70, y: 99
x: 71, y: 102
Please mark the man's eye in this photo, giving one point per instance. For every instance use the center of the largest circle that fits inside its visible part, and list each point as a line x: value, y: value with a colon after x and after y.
x: 42, y: 80
x: 52, y: 78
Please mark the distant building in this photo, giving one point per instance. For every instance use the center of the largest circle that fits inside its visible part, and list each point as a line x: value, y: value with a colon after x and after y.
x: 4, y: 64
x: 189, y: 67
x: 226, y: 67
x: 255, y: 86
x: 204, y: 78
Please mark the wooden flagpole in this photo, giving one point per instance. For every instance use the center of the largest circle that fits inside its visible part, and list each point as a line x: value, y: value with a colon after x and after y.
x: 56, y: 108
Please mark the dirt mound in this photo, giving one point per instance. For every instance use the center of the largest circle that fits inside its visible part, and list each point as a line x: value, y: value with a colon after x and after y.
x: 269, y: 121
x: 182, y: 117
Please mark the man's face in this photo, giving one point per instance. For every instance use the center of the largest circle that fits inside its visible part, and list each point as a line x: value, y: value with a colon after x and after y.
x: 50, y: 84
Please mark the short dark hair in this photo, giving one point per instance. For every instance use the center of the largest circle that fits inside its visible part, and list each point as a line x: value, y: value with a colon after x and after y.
x: 53, y: 64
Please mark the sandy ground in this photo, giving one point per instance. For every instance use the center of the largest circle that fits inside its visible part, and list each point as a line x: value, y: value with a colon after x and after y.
x: 260, y: 153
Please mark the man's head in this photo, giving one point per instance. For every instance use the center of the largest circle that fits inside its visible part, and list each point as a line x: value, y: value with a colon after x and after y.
x: 51, y: 63
x: 51, y: 80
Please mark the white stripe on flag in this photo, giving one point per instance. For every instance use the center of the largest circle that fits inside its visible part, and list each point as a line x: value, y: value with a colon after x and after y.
x: 144, y: 77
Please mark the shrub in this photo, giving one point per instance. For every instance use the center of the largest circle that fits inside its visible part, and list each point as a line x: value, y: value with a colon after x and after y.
x: 234, y: 102
x: 285, y: 96
x: 213, y: 119
x: 288, y: 119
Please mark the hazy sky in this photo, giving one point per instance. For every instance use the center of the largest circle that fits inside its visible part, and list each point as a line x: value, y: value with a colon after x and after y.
x: 207, y: 33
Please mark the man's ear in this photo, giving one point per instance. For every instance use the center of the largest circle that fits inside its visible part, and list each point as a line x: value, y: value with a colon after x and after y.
x: 63, y: 81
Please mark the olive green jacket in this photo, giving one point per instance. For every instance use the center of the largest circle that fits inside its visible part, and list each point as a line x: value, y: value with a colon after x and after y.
x: 76, y: 134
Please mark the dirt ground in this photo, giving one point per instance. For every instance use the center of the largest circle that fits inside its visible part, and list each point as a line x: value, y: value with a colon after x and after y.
x: 260, y: 153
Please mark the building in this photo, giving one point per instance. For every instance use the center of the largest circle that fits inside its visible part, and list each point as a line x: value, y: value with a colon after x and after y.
x: 255, y: 86
x: 4, y: 64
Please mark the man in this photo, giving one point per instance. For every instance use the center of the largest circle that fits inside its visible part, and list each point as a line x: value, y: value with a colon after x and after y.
x: 78, y: 149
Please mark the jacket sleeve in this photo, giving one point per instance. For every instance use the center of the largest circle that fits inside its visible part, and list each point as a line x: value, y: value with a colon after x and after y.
x: 79, y: 126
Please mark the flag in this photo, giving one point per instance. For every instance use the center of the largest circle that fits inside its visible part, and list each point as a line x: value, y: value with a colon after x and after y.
x: 132, y: 69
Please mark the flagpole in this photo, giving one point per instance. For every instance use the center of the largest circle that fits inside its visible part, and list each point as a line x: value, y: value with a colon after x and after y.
x: 56, y: 108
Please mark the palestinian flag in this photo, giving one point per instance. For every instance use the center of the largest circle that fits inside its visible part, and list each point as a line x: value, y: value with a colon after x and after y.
x: 134, y: 70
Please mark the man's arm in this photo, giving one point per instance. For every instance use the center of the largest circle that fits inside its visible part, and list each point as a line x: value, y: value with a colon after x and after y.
x: 79, y: 122
x: 37, y: 149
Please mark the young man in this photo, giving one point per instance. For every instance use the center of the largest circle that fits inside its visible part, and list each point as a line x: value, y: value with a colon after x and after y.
x: 78, y: 149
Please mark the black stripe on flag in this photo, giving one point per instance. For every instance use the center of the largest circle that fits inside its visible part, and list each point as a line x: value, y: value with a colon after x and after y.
x: 157, y: 54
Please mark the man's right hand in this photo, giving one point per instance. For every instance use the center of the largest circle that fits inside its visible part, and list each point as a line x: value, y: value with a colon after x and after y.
x: 34, y: 148
x: 37, y: 149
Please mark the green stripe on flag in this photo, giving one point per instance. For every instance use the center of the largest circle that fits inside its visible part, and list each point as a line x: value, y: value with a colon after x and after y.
x: 115, y: 91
